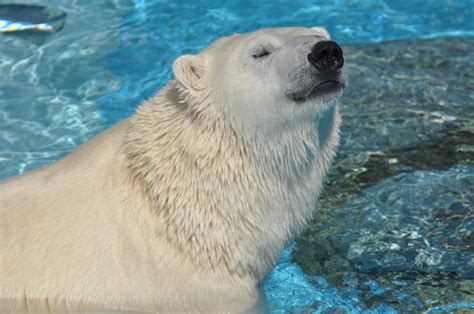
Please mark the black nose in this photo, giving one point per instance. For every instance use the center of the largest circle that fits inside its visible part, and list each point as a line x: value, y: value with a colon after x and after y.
x: 326, y: 56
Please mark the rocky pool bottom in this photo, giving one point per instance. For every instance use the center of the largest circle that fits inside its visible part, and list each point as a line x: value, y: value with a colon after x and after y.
x: 395, y: 222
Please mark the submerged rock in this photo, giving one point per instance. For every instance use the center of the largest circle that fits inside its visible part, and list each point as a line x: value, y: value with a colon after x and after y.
x: 420, y: 221
x: 396, y: 219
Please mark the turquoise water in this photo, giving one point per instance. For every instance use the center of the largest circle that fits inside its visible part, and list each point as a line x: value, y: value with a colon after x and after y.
x: 112, y: 55
x: 159, y: 31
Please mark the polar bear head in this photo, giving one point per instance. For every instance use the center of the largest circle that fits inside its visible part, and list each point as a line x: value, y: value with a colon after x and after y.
x: 265, y: 81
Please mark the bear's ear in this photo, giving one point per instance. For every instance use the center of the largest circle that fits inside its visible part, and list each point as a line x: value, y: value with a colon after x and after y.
x: 188, y: 70
x: 322, y: 31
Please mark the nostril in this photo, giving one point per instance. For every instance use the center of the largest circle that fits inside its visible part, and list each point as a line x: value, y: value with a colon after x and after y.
x: 323, y: 54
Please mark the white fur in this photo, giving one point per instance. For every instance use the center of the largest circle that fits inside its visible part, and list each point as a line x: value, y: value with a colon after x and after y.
x: 185, y: 206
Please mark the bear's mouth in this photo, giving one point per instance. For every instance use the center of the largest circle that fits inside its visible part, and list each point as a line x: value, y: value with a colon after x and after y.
x: 327, y: 87
x: 330, y: 84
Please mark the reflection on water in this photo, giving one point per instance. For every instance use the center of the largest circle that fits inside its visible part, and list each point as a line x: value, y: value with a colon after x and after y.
x: 48, y: 91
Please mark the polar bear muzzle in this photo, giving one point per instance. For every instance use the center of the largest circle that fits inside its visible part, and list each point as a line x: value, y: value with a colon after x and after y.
x: 312, y: 68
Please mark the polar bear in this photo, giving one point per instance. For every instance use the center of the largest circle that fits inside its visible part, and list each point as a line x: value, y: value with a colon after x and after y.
x: 188, y: 204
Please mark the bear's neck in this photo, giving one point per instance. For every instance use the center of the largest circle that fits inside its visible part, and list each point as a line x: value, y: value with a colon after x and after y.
x: 226, y: 201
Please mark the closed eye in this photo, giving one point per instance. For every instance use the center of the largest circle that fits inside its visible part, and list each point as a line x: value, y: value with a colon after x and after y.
x: 261, y: 52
